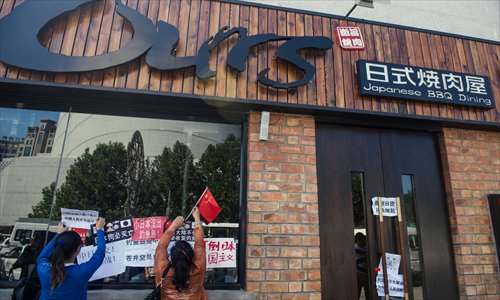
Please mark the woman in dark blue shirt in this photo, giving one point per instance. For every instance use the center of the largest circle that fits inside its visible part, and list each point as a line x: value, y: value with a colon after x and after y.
x: 61, y: 278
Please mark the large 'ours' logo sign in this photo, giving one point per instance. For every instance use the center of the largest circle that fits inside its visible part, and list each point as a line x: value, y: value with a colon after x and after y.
x: 20, y: 46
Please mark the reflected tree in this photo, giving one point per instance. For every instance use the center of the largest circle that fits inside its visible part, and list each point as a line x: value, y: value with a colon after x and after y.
x: 219, y: 169
x: 42, y: 208
x: 357, y: 199
x: 95, y: 181
x: 172, y: 175
x: 135, y: 173
x: 115, y: 181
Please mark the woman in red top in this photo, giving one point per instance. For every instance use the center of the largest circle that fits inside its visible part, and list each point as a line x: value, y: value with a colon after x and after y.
x: 186, y: 276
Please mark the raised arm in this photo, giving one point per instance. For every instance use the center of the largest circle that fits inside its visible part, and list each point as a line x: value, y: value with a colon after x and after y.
x: 199, y: 240
x: 89, y: 267
x: 161, y: 254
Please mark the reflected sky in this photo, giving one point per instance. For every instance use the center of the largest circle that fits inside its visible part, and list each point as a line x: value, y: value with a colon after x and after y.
x: 14, y: 122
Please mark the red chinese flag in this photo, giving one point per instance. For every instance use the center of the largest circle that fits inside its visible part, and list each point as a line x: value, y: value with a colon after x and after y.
x: 208, y: 207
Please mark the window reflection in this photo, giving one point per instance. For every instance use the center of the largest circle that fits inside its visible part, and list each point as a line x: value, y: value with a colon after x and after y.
x: 360, y: 239
x: 413, y: 238
x: 119, y: 166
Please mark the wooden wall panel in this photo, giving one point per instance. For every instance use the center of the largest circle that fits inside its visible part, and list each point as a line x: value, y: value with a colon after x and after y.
x: 281, y: 66
x: 272, y: 28
x: 96, y: 28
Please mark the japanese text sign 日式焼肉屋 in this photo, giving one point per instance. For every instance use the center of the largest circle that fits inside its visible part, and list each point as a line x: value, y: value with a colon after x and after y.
x: 409, y: 82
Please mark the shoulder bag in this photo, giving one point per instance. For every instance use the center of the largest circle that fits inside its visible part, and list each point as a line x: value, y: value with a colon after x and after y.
x: 156, y: 293
x: 28, y: 288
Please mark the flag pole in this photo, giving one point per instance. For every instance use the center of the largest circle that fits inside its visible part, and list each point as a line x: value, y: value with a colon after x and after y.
x: 402, y: 243
x: 382, y: 248
x: 195, y: 204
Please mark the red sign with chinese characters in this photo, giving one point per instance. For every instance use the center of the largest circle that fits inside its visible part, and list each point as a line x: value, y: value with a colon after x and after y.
x: 350, y: 38
x: 82, y: 232
x: 148, y: 228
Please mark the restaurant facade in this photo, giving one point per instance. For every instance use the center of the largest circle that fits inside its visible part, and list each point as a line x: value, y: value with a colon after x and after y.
x: 336, y: 116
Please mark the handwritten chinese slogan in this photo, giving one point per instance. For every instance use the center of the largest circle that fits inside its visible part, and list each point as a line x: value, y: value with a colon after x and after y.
x: 388, y: 206
x: 148, y: 228
x: 116, y: 230
x: 140, y: 253
x: 113, y: 263
x: 221, y: 252
x: 75, y: 218
x: 395, y: 280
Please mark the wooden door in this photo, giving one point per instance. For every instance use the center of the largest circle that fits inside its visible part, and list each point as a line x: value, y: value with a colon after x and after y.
x: 356, y: 164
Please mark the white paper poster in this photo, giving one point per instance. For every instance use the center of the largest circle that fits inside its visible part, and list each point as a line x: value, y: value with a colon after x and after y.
x: 392, y: 262
x: 113, y: 261
x: 395, y: 280
x: 140, y: 253
x: 396, y: 285
x: 388, y: 206
x: 221, y: 252
x: 76, y: 218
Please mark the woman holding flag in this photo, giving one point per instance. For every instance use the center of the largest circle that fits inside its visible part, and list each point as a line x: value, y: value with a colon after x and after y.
x: 181, y: 273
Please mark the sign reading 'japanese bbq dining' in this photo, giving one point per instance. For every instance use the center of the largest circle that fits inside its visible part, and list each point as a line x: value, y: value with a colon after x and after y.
x: 407, y: 82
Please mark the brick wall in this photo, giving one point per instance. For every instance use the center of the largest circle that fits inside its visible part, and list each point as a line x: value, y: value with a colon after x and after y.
x: 283, y: 260
x: 471, y: 162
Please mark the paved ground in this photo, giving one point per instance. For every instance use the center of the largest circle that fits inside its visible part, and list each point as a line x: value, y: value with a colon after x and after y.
x: 140, y: 294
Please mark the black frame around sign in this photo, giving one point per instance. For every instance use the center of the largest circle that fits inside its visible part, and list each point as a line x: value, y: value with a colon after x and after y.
x: 424, y: 84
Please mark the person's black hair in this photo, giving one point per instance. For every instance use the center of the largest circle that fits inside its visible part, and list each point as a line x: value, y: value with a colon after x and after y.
x: 360, y: 239
x: 67, y: 244
x: 181, y: 256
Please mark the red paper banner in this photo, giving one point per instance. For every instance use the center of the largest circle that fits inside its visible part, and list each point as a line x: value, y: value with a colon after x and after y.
x: 148, y: 228
x: 82, y: 232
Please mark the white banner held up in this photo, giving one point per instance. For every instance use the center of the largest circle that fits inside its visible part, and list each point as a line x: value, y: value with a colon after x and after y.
x: 388, y: 206
x: 113, y: 261
x: 140, y: 253
x: 76, y: 218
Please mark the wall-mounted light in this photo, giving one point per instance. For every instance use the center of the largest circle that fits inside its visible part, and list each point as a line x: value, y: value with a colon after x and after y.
x: 264, y: 126
x: 363, y: 3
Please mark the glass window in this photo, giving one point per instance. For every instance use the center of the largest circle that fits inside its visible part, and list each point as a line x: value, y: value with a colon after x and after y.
x: 413, y: 237
x: 360, y: 238
x: 22, y: 236
x: 27, y: 151
x: 126, y: 167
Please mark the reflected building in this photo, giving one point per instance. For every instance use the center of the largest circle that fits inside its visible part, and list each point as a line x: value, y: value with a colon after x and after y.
x: 9, y: 146
x: 38, y: 139
x: 23, y: 178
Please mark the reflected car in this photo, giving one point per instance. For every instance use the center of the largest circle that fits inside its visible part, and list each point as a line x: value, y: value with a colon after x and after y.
x: 5, y: 246
x: 8, y: 261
